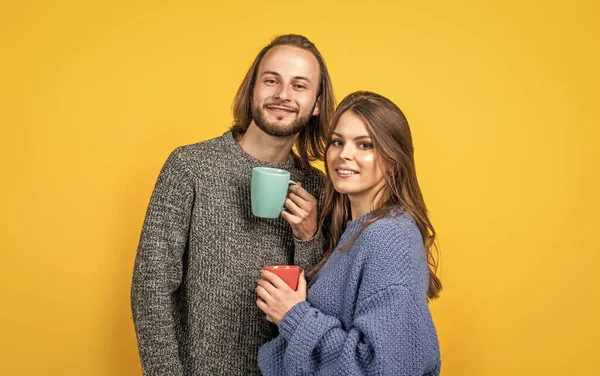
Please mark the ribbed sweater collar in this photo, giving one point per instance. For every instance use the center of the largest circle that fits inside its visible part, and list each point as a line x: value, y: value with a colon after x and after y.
x: 244, y: 158
x: 353, y: 226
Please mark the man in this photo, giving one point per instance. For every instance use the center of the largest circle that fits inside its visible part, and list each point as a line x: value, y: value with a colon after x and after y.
x: 193, y: 292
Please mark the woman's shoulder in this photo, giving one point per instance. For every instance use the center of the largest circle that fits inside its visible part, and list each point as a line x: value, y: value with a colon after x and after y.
x: 396, y: 227
x: 394, y: 250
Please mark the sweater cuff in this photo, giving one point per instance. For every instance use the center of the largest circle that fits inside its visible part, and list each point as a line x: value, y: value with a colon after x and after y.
x: 292, y: 319
x: 307, y: 253
x: 298, y: 240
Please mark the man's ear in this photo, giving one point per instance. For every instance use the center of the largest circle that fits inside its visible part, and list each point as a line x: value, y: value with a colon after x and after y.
x: 317, y: 109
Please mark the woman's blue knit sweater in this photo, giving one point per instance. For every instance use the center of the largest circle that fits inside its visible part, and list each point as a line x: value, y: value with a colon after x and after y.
x: 366, y: 311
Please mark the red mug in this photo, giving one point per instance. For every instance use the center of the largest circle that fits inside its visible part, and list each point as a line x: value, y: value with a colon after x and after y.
x: 289, y: 273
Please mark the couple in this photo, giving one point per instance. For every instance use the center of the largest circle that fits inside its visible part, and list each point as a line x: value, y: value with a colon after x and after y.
x: 197, y: 306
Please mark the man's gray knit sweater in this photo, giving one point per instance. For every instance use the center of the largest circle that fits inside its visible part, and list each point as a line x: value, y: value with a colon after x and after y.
x: 193, y: 292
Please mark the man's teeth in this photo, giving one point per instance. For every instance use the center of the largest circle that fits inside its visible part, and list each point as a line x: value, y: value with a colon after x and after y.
x: 347, y: 172
x: 280, y: 109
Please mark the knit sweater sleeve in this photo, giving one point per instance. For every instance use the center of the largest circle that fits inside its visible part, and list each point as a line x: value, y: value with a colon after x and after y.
x: 384, y: 339
x: 307, y: 253
x: 158, y: 268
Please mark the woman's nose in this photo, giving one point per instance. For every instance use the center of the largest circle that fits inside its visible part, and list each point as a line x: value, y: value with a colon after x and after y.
x: 347, y: 152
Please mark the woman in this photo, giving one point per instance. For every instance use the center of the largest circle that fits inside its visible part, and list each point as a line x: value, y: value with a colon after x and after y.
x: 366, y: 311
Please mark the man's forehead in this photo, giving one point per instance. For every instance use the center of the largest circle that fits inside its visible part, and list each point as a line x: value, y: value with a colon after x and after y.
x: 290, y: 61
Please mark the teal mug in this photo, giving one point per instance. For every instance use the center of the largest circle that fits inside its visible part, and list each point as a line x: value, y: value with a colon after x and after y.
x: 269, y: 190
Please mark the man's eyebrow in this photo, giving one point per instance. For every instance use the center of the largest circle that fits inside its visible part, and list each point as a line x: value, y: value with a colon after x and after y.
x: 302, y: 78
x: 270, y: 72
x: 267, y: 72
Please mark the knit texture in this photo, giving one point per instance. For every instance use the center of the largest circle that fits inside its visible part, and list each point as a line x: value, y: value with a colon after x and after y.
x: 193, y: 291
x: 366, y: 310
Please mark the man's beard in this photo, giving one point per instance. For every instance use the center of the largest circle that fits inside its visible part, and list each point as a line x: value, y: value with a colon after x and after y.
x: 279, y: 130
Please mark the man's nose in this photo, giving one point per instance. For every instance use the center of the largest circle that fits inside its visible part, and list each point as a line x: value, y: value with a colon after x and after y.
x: 284, y: 93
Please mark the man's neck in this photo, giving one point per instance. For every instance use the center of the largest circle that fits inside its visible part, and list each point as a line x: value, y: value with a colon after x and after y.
x: 265, y: 148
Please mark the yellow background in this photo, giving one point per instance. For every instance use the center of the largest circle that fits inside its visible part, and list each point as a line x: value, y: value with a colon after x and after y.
x: 502, y: 98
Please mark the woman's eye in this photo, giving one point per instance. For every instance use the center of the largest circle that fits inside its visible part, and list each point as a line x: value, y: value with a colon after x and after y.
x: 336, y: 143
x: 365, y: 145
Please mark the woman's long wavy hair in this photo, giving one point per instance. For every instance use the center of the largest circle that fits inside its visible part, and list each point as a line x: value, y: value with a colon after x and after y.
x: 310, y: 143
x: 392, y: 140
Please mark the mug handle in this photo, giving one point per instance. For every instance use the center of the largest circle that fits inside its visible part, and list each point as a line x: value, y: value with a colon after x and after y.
x: 289, y: 182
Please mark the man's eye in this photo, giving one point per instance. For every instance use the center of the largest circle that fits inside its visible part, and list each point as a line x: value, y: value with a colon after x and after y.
x: 270, y: 81
x: 299, y: 87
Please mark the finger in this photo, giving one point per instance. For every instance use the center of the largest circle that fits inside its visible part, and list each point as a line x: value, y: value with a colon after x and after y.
x: 294, y: 209
x: 289, y: 217
x: 275, y: 281
x: 269, y: 318
x: 262, y: 305
x: 299, y: 201
x: 266, y: 285
x: 297, y: 189
x: 263, y: 294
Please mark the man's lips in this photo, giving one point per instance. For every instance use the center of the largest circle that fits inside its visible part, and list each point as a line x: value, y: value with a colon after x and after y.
x: 281, y: 109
